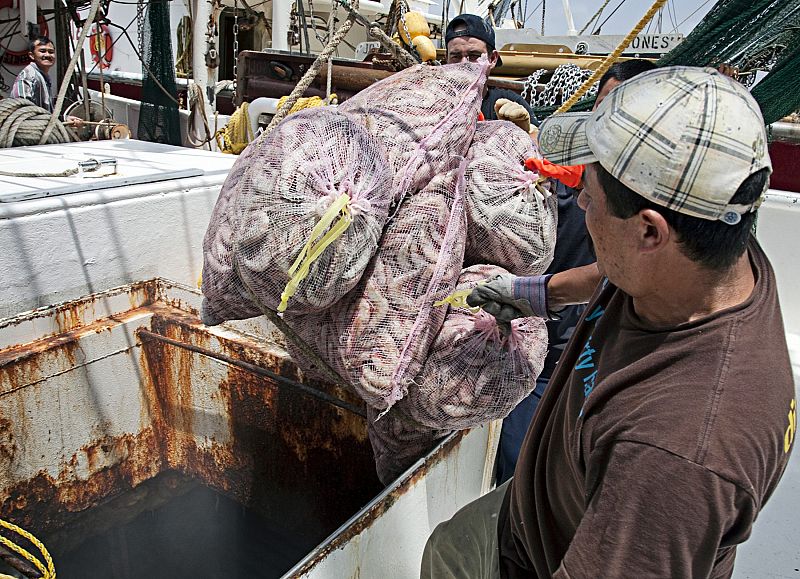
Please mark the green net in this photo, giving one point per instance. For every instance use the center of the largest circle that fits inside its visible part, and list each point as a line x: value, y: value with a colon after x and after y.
x: 751, y: 35
x: 159, y: 121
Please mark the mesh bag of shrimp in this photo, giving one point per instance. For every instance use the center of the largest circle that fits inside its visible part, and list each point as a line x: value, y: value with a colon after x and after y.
x: 378, y: 336
x: 424, y: 116
x: 224, y: 297
x: 475, y: 372
x: 308, y: 214
x: 511, y: 214
x: 397, y: 443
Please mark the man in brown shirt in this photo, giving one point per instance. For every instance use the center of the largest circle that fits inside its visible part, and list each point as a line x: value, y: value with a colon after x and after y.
x: 671, y: 415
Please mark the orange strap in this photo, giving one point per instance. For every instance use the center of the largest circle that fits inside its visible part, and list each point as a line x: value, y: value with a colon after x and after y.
x: 569, y: 175
x: 480, y: 116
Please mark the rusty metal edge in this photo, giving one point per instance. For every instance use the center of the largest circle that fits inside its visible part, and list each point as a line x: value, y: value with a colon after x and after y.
x: 377, y: 506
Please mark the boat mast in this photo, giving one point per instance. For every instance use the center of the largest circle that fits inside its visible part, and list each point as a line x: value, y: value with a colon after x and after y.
x: 281, y: 10
x: 571, y: 31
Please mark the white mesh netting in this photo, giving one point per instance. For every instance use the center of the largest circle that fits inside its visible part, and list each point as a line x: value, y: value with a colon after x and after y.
x: 474, y: 373
x: 425, y: 115
x: 397, y: 444
x: 316, y: 164
x: 377, y: 337
x: 510, y: 222
x: 224, y: 297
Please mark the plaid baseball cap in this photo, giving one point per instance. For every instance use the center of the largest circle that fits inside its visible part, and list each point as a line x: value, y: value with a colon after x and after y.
x: 473, y: 26
x: 683, y: 137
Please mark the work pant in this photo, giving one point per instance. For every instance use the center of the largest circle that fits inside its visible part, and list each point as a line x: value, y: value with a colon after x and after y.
x: 515, y: 426
x: 465, y: 547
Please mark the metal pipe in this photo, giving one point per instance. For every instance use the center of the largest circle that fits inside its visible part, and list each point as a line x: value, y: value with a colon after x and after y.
x: 786, y: 132
x: 571, y: 31
x: 277, y: 378
x: 281, y: 9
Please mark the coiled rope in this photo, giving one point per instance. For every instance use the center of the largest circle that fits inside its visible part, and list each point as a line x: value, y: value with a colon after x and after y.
x: 612, y: 58
x: 23, y: 123
x: 47, y: 569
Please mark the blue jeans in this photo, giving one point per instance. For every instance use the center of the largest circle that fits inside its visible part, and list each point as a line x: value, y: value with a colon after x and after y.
x: 515, y: 426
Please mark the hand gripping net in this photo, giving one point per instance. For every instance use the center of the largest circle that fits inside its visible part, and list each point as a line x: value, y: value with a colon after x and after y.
x: 511, y: 222
x: 473, y: 373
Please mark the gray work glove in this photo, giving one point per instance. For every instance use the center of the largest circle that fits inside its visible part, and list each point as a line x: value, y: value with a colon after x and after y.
x: 508, y: 110
x: 508, y: 297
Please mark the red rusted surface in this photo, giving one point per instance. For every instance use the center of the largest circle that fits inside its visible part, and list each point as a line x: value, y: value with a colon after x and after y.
x: 292, y: 457
x: 44, y: 503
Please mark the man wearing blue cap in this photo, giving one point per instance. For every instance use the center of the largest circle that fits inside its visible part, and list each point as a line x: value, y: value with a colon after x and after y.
x: 671, y: 415
x: 468, y: 37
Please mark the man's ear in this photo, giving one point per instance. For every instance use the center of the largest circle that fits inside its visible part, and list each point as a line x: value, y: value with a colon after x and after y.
x: 493, y: 56
x: 653, y: 231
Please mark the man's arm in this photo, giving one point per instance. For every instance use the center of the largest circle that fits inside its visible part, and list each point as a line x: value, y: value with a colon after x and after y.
x: 572, y: 286
x: 25, y: 88
x: 508, y: 297
x: 654, y: 514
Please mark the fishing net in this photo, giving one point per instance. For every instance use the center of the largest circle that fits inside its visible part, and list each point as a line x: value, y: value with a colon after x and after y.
x: 378, y: 336
x: 511, y: 222
x: 397, y: 444
x: 224, y: 297
x: 474, y: 373
x: 158, y: 114
x: 425, y: 117
x: 751, y: 35
x: 312, y: 207
x: 307, y: 216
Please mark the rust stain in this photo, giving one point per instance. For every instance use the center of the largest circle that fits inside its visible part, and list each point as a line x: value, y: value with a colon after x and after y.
x: 45, y: 503
x: 75, y: 314
x: 380, y: 508
x: 288, y: 455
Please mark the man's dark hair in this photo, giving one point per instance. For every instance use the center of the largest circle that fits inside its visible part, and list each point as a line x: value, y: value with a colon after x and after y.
x: 625, y: 70
x: 710, y: 243
x: 38, y: 40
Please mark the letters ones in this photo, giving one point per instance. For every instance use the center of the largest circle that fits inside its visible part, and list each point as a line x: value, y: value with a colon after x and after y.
x: 788, y: 436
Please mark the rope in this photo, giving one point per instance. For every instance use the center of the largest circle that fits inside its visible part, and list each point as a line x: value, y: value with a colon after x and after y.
x: 612, y: 58
x: 305, y: 103
x: 47, y: 569
x: 311, y: 73
x: 23, y: 123
x: 595, y: 17
x: 237, y: 134
x: 197, y: 102
x: 62, y: 91
x: 398, y: 52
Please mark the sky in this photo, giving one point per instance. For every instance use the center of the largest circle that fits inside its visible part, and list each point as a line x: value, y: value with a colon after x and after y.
x: 675, y: 12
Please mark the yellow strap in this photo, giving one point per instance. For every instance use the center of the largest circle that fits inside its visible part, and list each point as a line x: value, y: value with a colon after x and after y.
x: 49, y: 571
x: 611, y: 58
x: 312, y: 250
x: 458, y: 299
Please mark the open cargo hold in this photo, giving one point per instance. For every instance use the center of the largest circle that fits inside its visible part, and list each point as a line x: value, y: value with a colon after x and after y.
x: 127, y: 391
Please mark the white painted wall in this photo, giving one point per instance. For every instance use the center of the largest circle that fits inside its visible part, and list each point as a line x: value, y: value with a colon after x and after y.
x: 64, y: 247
